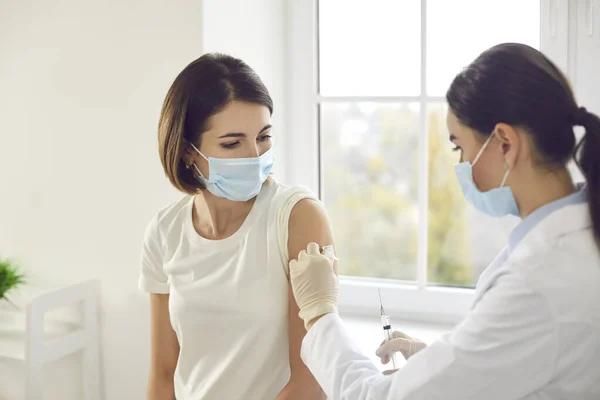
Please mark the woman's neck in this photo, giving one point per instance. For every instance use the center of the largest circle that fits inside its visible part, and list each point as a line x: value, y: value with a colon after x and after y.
x: 217, y: 217
x: 542, y: 187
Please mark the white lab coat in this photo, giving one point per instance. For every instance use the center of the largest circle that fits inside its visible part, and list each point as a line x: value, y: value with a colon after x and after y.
x: 533, y: 331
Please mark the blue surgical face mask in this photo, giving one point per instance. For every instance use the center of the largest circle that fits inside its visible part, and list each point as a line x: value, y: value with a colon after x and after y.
x: 497, y: 202
x: 236, y: 179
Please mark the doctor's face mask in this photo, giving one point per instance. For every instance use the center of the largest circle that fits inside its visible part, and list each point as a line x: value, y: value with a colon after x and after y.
x: 495, y: 202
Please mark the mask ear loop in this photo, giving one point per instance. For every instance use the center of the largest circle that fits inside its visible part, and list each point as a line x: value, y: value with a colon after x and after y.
x: 198, y: 151
x: 505, y: 175
x: 489, y: 139
x: 481, y: 153
x: 198, y: 170
x: 193, y: 163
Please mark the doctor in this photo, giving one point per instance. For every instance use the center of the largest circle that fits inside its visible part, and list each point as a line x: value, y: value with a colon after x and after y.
x: 534, y: 330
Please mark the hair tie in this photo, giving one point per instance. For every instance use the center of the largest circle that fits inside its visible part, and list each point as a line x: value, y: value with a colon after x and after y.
x: 579, y: 117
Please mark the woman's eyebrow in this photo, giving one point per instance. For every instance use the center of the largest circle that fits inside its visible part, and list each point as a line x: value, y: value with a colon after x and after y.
x: 268, y: 126
x: 232, y: 135
x: 239, y: 134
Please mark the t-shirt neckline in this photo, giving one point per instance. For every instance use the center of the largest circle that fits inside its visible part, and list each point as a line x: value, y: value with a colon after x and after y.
x: 246, y: 225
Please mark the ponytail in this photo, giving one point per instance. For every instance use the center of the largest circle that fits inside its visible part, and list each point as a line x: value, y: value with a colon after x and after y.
x: 587, y: 157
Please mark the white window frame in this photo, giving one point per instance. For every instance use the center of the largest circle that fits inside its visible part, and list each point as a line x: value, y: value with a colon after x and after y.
x: 408, y: 300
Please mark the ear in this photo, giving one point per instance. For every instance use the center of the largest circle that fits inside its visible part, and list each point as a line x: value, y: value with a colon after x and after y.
x: 190, y: 154
x: 187, y: 156
x: 510, y: 143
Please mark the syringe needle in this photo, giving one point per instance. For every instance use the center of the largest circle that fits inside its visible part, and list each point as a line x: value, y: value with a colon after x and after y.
x: 387, y: 328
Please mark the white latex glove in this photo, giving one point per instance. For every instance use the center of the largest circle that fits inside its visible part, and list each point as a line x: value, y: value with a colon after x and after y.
x: 314, y: 284
x: 401, y: 342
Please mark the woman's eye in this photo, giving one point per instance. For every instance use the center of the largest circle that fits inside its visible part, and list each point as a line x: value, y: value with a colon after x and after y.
x: 229, y: 145
x: 265, y: 138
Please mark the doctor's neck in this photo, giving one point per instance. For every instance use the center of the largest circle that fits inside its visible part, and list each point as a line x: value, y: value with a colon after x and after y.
x: 537, y: 187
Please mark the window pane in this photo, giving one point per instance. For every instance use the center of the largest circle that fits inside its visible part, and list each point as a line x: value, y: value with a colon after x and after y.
x: 475, y: 25
x: 370, y: 174
x: 461, y: 240
x: 369, y: 48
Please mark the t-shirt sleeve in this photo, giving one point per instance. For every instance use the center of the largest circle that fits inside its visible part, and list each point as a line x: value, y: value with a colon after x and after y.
x: 284, y: 206
x: 152, y: 275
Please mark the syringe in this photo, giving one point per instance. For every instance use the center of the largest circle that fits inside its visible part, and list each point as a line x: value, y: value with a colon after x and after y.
x: 387, y: 329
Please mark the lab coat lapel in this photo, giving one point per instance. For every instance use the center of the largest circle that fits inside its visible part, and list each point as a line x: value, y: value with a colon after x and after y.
x: 489, y: 275
x: 550, y: 229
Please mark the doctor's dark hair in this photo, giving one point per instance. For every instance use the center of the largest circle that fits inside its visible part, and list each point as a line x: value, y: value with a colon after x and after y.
x: 517, y: 85
x: 205, y: 87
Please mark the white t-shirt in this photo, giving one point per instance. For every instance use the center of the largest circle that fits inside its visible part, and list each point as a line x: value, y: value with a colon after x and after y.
x: 228, y: 298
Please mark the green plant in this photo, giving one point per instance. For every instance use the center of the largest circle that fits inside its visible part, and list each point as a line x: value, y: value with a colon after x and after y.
x: 10, y: 278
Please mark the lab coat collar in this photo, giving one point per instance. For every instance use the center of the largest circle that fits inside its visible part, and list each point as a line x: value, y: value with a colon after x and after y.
x: 551, y: 229
x: 547, y: 232
x: 580, y: 196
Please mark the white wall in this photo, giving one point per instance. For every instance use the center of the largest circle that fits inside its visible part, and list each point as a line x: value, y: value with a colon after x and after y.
x: 81, y: 86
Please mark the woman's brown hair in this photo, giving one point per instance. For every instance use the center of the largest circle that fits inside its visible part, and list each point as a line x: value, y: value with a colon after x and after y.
x: 205, y: 87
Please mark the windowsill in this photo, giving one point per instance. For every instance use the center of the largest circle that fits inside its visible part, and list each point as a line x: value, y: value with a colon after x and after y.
x: 440, y: 306
x: 368, y: 334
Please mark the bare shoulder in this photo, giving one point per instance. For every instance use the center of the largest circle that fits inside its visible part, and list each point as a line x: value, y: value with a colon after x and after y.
x: 308, y: 223
x: 308, y: 211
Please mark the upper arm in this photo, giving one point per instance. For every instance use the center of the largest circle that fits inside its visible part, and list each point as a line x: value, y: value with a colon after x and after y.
x: 163, y: 340
x: 308, y: 223
x: 164, y: 346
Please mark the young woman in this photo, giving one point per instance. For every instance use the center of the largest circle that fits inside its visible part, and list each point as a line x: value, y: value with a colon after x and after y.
x: 224, y: 322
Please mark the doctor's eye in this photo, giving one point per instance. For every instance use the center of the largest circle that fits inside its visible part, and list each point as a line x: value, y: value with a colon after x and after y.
x: 457, y: 148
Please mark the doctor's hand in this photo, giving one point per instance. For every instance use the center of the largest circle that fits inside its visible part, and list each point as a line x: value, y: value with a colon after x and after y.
x: 314, y: 283
x: 401, y: 342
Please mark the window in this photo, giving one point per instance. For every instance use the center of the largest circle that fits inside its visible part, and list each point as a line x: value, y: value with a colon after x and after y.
x: 368, y: 118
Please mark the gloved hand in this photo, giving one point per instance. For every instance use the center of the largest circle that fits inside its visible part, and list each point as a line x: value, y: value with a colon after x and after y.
x: 314, y: 284
x: 401, y: 342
